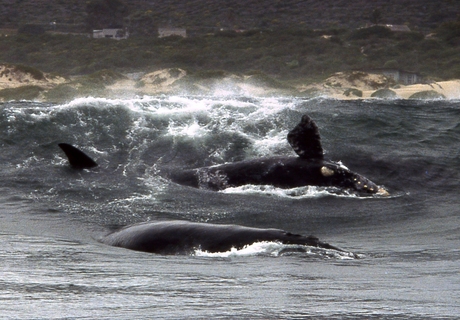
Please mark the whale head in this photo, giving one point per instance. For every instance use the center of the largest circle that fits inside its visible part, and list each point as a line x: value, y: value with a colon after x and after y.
x: 341, y: 176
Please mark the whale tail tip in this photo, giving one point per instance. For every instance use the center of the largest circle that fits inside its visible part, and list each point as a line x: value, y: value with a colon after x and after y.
x: 305, y: 139
x: 77, y: 158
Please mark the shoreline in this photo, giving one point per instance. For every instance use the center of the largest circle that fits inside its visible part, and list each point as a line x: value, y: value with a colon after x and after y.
x: 450, y: 89
x: 20, y: 83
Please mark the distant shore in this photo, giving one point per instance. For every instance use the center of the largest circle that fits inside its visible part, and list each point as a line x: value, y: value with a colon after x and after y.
x: 448, y: 89
x: 24, y: 83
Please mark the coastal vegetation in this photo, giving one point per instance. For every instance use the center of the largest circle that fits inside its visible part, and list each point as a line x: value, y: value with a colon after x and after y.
x: 353, y: 92
x: 269, y: 44
x: 282, y: 53
x: 384, y: 93
x: 287, y: 40
x: 427, y: 94
x: 23, y: 92
x: 145, y: 16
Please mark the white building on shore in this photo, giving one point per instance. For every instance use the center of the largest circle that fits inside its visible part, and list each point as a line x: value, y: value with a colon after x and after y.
x: 167, y: 32
x: 116, y: 34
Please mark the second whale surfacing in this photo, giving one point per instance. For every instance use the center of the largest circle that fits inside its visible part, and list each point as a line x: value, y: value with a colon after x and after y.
x: 184, y: 237
x: 308, y: 169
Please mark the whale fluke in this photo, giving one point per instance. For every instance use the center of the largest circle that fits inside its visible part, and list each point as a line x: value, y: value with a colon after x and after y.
x: 305, y: 139
x: 77, y: 158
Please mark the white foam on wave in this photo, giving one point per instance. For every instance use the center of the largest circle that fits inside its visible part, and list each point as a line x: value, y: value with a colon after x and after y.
x: 215, y: 107
x: 29, y: 113
x: 202, y: 116
x: 275, y: 249
x: 274, y: 140
x: 267, y: 248
x: 304, y: 192
x: 97, y: 101
x: 189, y: 130
x: 255, y: 120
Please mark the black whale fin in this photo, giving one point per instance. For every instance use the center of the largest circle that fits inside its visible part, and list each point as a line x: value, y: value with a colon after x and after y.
x: 305, y: 139
x: 77, y: 158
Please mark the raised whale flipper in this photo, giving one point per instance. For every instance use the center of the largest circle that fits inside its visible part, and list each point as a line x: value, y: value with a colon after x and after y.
x: 77, y: 158
x: 305, y: 139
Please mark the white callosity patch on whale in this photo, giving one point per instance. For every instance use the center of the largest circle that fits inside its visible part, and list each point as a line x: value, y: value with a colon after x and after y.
x: 216, y: 180
x: 327, y: 172
x: 341, y: 165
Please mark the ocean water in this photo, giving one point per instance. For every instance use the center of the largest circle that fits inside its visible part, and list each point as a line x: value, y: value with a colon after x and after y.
x: 407, y: 245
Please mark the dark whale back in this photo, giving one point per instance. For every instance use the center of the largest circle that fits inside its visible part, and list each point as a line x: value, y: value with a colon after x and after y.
x: 278, y: 171
x: 183, y: 237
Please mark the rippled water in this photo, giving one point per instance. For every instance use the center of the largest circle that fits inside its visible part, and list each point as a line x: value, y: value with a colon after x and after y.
x: 51, y: 216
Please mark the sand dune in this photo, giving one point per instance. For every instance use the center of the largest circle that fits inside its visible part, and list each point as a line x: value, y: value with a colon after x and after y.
x: 342, y: 85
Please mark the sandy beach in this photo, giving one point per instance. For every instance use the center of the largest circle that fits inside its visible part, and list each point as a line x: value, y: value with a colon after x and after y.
x: 340, y: 87
x: 344, y: 86
x: 449, y: 89
x: 12, y: 76
x: 335, y: 86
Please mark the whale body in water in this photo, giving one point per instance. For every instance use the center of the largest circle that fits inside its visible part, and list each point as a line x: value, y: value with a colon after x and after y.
x: 184, y: 237
x: 309, y: 168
